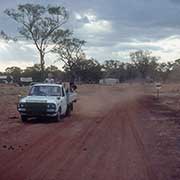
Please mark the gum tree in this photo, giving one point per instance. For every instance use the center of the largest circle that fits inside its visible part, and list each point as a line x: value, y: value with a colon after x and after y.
x: 41, y: 25
x: 70, y: 52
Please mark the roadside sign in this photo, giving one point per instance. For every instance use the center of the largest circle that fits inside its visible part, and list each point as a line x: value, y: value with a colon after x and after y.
x: 26, y: 79
x: 158, y: 87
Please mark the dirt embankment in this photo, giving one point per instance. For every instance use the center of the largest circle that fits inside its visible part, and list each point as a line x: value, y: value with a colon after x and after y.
x: 109, y: 136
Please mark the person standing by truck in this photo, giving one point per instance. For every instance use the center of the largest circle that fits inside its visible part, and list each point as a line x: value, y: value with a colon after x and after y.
x: 72, y: 86
x: 50, y: 79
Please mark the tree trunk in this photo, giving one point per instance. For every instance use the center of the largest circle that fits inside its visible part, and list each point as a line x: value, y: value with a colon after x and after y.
x: 42, y: 63
x: 72, y: 75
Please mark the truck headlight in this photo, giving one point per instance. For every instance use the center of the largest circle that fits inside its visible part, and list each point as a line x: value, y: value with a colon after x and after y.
x: 21, y: 105
x: 51, y: 106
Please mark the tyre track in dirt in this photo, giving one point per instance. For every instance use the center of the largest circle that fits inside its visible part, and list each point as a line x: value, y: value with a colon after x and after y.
x: 71, y: 152
x: 104, y: 147
x: 140, y: 145
x: 92, y: 157
x: 107, y: 154
x: 44, y: 148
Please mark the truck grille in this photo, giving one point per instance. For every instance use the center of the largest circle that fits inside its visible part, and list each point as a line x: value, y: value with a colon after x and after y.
x: 36, y: 107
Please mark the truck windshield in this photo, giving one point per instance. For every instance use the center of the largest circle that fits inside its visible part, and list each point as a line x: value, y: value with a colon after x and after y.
x: 45, y: 91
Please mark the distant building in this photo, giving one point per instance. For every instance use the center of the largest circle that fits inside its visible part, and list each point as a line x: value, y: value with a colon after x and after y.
x: 109, y: 81
x: 6, y: 79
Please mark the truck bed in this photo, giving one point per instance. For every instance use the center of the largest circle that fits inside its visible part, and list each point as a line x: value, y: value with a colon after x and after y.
x: 71, y: 97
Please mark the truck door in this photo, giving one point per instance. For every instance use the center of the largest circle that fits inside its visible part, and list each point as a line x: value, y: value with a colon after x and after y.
x: 63, y: 102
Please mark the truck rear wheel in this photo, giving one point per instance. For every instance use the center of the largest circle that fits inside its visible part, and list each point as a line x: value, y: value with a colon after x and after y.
x: 69, y: 109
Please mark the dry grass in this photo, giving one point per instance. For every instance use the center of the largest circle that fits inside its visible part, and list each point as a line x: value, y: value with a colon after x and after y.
x: 12, y: 90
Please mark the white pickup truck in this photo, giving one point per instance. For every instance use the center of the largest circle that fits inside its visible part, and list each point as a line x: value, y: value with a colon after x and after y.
x: 46, y: 100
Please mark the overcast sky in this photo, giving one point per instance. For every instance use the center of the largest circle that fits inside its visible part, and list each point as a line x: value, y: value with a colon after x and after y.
x: 112, y: 29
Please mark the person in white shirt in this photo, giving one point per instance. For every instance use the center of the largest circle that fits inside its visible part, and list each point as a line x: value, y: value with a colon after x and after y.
x: 50, y: 79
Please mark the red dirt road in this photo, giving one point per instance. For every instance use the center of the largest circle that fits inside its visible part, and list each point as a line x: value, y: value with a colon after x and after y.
x: 102, y: 140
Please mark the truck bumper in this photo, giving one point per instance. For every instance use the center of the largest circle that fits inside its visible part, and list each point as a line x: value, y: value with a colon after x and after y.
x: 37, y: 114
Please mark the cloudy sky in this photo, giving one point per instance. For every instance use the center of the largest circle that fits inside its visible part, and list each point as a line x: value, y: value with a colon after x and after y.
x: 112, y: 29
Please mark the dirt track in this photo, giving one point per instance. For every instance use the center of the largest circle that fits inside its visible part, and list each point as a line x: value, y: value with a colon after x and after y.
x: 102, y: 140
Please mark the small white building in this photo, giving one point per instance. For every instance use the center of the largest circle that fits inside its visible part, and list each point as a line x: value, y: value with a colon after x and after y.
x: 26, y: 80
x: 109, y: 81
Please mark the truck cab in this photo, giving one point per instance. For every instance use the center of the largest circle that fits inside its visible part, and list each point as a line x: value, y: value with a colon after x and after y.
x: 46, y: 100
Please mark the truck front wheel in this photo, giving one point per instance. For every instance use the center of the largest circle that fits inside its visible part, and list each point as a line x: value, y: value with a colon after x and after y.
x: 58, y: 116
x: 24, y: 118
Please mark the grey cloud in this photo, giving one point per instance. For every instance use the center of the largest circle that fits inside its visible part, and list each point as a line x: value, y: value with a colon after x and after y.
x: 142, y: 20
x: 17, y: 52
x: 128, y: 47
x: 175, y: 1
x: 128, y: 17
